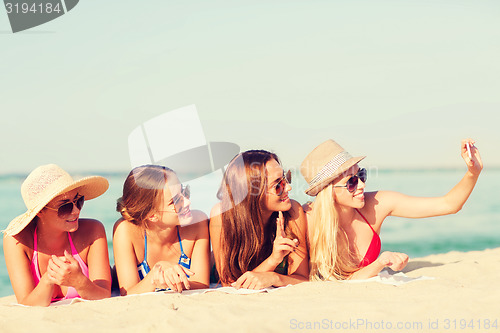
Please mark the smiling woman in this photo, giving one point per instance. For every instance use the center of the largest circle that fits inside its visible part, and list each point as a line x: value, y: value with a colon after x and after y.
x: 257, y: 231
x: 159, y: 242
x: 43, y: 262
x: 344, y: 221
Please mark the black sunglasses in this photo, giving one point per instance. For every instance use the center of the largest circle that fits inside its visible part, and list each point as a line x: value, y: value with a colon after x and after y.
x: 352, y: 183
x: 281, y: 185
x: 64, y: 210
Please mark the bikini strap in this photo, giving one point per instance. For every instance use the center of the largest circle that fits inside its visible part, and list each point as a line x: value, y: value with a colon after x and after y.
x: 180, y: 241
x: 35, y: 242
x: 73, y: 249
x: 145, y: 247
x: 364, y: 218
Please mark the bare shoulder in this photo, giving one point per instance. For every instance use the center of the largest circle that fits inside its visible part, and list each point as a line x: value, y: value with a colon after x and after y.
x: 90, y: 225
x: 89, y: 230
x: 215, y: 219
x: 198, y: 215
x: 216, y: 210
x: 124, y: 229
x: 199, y: 229
x: 298, y: 216
x: 379, y: 199
x: 296, y: 212
x: 23, y: 240
x: 307, y: 207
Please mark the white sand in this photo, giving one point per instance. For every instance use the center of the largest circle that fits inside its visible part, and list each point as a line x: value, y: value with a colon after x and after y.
x: 465, y: 291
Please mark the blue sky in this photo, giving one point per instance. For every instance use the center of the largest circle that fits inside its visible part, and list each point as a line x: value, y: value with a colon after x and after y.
x: 400, y: 81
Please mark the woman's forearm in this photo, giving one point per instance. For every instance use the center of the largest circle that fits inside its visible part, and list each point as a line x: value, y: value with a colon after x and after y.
x: 41, y: 295
x: 143, y: 286
x: 285, y: 280
x: 93, y: 290
x: 368, y: 271
x: 268, y: 265
x: 458, y: 195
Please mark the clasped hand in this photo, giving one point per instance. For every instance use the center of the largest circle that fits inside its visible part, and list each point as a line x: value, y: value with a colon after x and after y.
x: 64, y: 271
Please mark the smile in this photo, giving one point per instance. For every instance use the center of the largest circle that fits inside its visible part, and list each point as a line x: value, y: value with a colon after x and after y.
x: 360, y: 195
x: 185, y: 213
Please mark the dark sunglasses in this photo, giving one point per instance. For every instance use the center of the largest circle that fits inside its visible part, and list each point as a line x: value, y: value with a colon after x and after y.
x: 352, y: 183
x: 179, y: 199
x: 64, y: 210
x: 279, y: 188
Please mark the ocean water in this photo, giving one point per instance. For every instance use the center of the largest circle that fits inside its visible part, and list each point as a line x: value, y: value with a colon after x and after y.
x: 475, y: 227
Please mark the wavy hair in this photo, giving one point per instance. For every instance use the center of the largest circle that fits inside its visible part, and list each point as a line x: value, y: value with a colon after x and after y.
x: 246, y: 239
x: 142, y: 193
x: 329, y: 254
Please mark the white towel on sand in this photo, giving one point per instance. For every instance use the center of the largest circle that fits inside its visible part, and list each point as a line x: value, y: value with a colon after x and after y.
x: 396, y: 279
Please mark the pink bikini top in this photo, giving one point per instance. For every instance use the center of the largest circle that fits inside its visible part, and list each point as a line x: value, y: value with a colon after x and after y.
x: 35, y: 271
x: 373, y: 250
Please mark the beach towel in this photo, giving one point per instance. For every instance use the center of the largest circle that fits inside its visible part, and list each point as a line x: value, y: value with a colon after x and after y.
x: 396, y: 279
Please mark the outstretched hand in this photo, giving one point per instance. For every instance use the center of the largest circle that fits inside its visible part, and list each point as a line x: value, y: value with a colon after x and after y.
x: 282, y: 245
x: 255, y: 280
x: 394, y: 260
x: 473, y: 161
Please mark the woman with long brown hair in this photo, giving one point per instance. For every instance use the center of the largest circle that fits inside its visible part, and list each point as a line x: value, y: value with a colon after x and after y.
x: 257, y: 231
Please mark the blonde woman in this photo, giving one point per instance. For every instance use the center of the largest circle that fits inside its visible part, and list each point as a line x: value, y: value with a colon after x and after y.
x: 51, y: 253
x: 344, y: 222
x: 157, y: 244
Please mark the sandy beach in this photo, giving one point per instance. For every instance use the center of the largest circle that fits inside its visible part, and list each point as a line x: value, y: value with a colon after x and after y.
x: 462, y: 297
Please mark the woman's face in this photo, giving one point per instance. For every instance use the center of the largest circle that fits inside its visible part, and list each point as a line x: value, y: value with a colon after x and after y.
x: 67, y: 221
x: 273, y: 201
x: 175, y: 206
x: 342, y: 196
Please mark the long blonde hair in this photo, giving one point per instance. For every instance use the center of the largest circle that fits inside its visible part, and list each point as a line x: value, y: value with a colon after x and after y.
x: 329, y: 255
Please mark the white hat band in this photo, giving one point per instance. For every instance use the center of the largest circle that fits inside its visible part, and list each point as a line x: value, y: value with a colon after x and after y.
x: 331, y: 167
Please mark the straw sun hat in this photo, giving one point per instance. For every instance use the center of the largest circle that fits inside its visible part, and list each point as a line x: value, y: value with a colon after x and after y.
x: 44, y: 184
x: 325, y: 163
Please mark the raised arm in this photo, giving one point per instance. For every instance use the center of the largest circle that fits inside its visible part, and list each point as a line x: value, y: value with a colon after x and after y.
x: 397, y: 204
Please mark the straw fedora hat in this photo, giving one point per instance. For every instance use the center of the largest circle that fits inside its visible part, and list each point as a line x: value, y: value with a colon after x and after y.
x: 325, y: 163
x: 44, y: 184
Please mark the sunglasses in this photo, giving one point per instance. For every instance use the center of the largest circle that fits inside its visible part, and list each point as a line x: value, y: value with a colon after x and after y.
x: 64, y: 210
x: 352, y: 183
x: 178, y: 200
x: 279, y: 188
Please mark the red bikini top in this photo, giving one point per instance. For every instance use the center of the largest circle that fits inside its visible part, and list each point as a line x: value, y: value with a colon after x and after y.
x: 374, y: 249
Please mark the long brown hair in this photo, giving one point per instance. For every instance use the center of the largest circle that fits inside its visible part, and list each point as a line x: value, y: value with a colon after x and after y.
x: 246, y: 239
x: 142, y: 193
